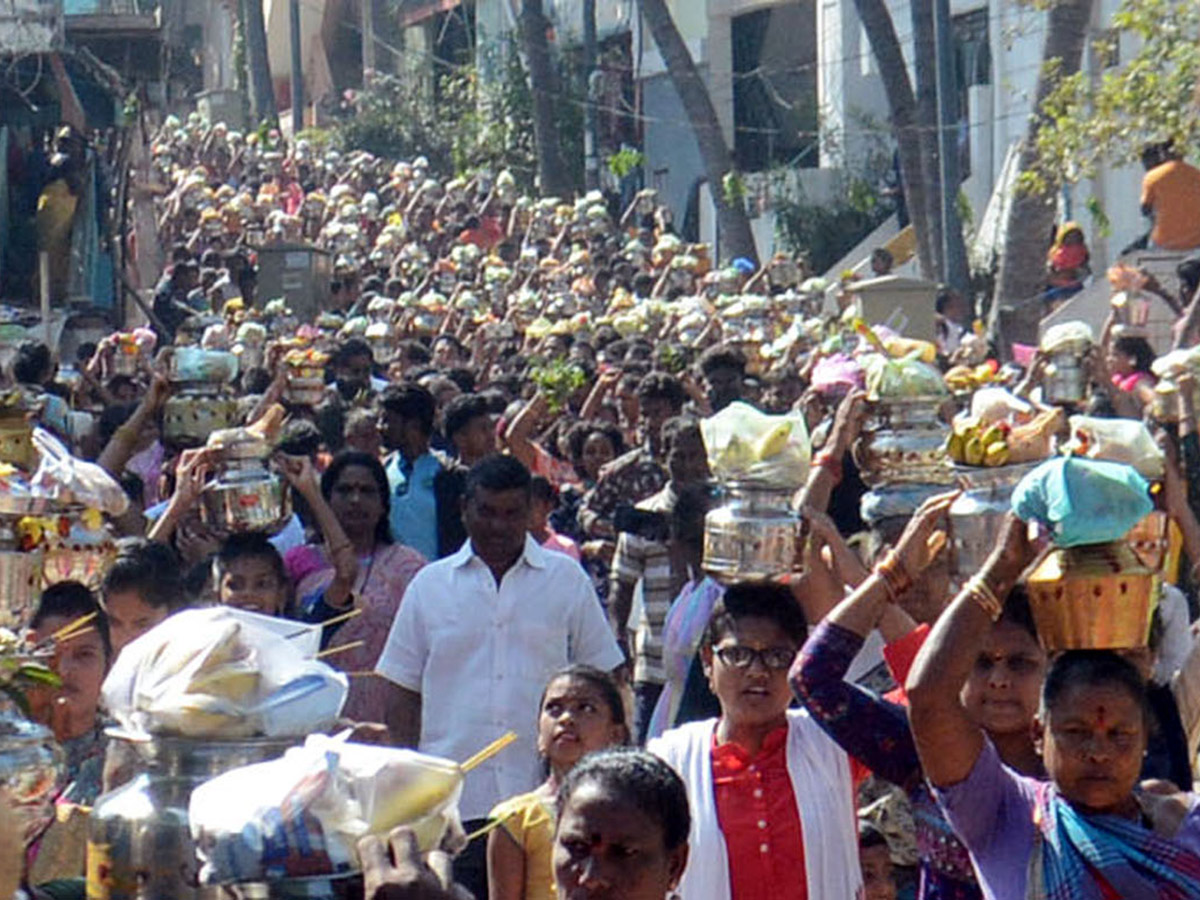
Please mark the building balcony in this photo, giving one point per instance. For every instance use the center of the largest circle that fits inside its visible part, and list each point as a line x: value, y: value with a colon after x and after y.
x: 30, y: 26
x: 111, y: 18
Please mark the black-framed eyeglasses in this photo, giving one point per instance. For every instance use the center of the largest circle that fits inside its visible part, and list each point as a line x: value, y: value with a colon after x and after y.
x: 737, y: 656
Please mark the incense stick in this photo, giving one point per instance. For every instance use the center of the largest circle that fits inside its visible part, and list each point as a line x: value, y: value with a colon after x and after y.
x: 74, y: 634
x: 489, y: 751
x: 353, y: 645
x: 72, y: 626
x: 336, y: 620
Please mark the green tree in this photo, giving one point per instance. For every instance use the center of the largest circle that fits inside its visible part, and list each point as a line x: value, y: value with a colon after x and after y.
x: 1149, y: 97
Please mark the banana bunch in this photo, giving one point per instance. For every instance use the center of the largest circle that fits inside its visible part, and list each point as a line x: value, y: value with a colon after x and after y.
x: 974, y: 443
x: 964, y: 379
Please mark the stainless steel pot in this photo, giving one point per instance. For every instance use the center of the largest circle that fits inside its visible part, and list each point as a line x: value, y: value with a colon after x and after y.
x: 904, y: 443
x: 752, y: 535
x: 31, y: 769
x: 977, y: 515
x: 1065, y: 379
x: 139, y: 840
x: 246, y: 497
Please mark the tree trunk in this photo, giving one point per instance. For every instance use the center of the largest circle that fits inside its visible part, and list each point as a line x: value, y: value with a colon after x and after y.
x: 1022, y: 276
x: 552, y: 171
x: 902, y: 104
x: 262, y: 94
x: 733, y: 226
x: 925, y: 63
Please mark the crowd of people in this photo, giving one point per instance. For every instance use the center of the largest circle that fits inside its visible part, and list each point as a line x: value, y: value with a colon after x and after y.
x: 506, y: 476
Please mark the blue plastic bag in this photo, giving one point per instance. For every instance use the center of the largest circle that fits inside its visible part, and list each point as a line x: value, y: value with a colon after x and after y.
x: 1083, y: 501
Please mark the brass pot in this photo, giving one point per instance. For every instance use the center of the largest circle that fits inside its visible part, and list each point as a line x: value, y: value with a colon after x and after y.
x: 16, y: 442
x: 1093, y: 597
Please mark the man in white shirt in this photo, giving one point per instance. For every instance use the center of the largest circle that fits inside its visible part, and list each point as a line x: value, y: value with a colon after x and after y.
x: 477, y: 637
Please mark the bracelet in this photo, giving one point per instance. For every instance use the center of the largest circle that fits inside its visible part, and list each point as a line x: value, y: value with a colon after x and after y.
x: 983, y: 594
x: 895, y: 577
x: 333, y: 551
x: 827, y: 460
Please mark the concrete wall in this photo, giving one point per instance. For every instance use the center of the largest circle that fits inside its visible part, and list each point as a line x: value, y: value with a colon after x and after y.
x: 998, y: 113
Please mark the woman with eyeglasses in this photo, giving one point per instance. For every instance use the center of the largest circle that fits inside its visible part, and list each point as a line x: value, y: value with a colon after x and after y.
x: 771, y: 794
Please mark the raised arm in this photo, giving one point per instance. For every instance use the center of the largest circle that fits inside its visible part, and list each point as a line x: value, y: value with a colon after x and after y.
x: 870, y: 729
x: 190, y: 476
x: 827, y: 469
x: 120, y: 447
x: 302, y: 476
x: 948, y: 741
x: 520, y: 431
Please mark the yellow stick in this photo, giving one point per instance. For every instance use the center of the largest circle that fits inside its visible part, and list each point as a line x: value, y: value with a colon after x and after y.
x: 353, y: 645
x: 336, y: 620
x: 74, y: 634
x: 72, y: 626
x: 489, y: 751
x: 486, y: 829
x: 365, y: 673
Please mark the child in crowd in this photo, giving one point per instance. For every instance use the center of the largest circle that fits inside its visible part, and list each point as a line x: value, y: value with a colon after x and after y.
x: 876, y: 862
x: 249, y: 574
x: 581, y: 712
x: 543, y: 501
x: 143, y: 587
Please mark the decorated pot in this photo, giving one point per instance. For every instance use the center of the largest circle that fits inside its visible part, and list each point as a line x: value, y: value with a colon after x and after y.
x: 21, y: 575
x: 1094, y: 597
x: 904, y: 443
x: 78, y: 548
x: 190, y: 416
x: 16, y: 442
x: 752, y: 535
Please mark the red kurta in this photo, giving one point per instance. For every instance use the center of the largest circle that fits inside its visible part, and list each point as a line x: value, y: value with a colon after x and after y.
x: 756, y: 808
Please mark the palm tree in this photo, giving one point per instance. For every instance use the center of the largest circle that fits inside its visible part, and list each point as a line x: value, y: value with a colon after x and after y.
x: 552, y: 171
x: 262, y: 94
x: 733, y: 227
x: 1022, y: 275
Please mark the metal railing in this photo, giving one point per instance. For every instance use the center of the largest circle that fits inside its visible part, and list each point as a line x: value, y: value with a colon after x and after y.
x: 108, y: 7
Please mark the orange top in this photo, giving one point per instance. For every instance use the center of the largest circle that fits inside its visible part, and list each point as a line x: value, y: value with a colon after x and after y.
x: 1172, y: 191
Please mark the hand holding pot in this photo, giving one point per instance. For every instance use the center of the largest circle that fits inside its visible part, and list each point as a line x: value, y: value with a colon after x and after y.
x: 301, y: 474
x: 922, y: 539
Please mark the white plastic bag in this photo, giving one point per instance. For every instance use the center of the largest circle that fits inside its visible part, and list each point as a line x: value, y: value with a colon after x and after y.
x: 218, y: 673
x: 745, y: 445
x: 1068, y: 337
x: 303, y: 814
x: 64, y: 478
x: 992, y: 404
x: 1117, y: 440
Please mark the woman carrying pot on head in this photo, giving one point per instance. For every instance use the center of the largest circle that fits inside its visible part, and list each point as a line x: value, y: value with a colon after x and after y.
x: 1000, y: 693
x: 1086, y: 833
x: 357, y: 567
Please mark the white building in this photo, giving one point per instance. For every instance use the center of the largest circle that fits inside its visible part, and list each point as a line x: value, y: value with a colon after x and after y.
x: 816, y: 52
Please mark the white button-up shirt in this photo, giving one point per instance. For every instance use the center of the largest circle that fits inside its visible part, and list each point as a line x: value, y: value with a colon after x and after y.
x: 480, y: 657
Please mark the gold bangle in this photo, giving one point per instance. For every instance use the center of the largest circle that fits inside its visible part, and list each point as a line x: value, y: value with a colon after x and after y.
x: 983, y: 594
x: 895, y: 576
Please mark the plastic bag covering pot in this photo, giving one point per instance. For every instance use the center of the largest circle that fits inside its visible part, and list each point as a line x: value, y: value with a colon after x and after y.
x: 194, y: 364
x: 67, y: 480
x: 1083, y: 501
x: 745, y: 445
x: 218, y: 673
x: 902, y: 379
x: 302, y: 815
x: 1117, y: 440
x: 992, y: 404
x: 836, y: 375
x: 1068, y: 337
x: 1177, y: 362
